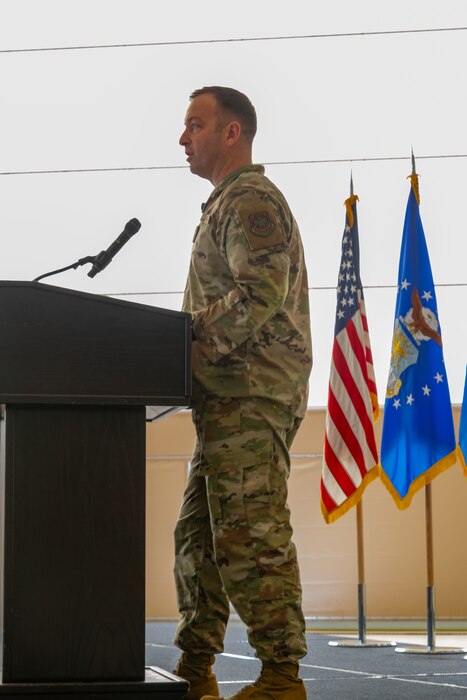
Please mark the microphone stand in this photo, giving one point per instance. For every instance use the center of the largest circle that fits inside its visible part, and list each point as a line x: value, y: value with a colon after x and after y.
x: 74, y: 266
x: 100, y: 261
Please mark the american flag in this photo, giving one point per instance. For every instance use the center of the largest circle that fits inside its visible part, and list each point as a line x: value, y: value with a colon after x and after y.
x: 350, y: 458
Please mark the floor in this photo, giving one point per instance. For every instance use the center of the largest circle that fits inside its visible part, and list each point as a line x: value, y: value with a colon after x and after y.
x: 332, y: 671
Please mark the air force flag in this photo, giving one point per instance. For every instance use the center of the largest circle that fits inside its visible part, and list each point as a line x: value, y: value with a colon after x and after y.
x: 418, y: 431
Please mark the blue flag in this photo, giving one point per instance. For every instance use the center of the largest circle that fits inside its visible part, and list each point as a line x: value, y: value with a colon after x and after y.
x: 418, y: 430
x: 463, y: 428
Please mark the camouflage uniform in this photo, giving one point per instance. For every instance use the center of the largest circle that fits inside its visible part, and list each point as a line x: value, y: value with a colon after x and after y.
x: 247, y: 291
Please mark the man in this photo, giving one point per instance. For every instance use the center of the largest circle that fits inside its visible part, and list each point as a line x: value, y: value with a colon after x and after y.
x: 251, y: 358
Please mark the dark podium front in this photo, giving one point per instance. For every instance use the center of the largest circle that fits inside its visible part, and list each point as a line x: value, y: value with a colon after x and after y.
x: 77, y: 372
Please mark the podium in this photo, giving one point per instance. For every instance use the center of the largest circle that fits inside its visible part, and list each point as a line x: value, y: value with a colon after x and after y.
x: 77, y: 372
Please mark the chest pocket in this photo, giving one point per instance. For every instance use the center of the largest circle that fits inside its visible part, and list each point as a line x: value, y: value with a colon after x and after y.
x: 208, y: 252
x: 202, y: 228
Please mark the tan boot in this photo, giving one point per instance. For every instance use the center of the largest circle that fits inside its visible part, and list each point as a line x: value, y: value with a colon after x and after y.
x: 196, y: 669
x: 276, y: 682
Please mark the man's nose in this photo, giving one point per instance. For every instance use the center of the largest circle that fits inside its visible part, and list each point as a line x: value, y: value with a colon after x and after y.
x: 183, y: 139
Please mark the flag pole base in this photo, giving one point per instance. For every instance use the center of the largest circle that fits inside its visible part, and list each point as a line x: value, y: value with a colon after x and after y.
x: 360, y: 644
x: 431, y: 648
x: 433, y: 651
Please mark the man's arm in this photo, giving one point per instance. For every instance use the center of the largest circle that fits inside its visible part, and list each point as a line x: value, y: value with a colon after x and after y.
x: 256, y: 253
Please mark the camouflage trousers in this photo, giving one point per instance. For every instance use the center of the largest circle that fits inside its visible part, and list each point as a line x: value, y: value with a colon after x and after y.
x: 233, y: 536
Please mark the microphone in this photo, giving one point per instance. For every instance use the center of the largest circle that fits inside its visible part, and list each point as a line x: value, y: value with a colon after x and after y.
x: 105, y: 256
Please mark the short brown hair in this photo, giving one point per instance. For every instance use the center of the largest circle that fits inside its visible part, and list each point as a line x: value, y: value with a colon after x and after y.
x: 236, y: 103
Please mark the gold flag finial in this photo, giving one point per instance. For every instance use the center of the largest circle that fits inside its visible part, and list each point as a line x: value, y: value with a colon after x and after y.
x: 349, y: 202
x: 414, y: 180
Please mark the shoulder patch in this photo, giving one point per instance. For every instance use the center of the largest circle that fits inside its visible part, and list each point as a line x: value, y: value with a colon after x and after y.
x: 262, y: 226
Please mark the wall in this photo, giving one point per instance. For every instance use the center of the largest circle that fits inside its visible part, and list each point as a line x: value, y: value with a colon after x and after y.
x: 395, y: 549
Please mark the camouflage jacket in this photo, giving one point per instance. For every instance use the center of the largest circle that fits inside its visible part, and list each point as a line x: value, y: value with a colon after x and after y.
x: 247, y: 290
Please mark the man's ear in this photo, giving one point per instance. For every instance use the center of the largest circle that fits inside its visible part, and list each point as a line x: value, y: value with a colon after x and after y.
x: 234, y: 131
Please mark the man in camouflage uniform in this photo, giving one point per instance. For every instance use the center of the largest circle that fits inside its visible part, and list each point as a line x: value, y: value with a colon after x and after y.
x: 251, y: 358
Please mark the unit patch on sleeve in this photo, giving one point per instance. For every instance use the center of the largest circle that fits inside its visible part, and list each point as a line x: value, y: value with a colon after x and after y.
x: 262, y: 226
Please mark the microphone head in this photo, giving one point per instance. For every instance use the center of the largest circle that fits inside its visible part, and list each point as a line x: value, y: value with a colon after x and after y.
x: 132, y: 227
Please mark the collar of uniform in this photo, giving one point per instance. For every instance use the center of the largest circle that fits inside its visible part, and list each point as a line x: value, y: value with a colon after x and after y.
x: 229, y: 179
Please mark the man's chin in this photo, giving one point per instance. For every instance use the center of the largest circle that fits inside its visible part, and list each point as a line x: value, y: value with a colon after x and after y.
x: 197, y: 171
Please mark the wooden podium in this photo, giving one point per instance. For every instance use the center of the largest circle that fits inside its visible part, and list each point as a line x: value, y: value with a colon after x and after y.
x: 77, y: 372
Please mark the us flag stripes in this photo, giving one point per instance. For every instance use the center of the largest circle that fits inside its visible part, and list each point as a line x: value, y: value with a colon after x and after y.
x: 350, y: 460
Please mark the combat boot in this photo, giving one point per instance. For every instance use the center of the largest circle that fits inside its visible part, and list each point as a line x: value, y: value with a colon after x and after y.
x: 196, y: 669
x: 276, y: 682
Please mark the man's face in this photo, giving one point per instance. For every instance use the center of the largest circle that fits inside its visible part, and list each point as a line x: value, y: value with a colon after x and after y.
x: 203, y: 139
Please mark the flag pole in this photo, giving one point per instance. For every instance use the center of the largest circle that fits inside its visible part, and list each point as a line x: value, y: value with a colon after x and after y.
x: 430, y: 598
x: 361, y: 593
x: 360, y: 552
x: 361, y: 576
x: 431, y: 647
